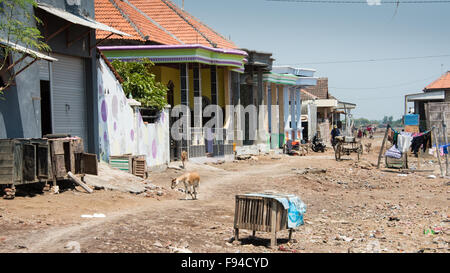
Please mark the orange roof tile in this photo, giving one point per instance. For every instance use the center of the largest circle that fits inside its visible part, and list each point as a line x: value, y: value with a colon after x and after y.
x: 161, y: 20
x: 107, y: 14
x: 442, y: 83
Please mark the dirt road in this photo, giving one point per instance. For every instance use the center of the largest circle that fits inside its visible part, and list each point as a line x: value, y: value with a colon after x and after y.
x: 351, y: 208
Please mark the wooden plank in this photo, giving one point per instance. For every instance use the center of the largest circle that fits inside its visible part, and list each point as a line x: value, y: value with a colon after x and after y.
x: 438, y: 152
x: 6, y: 157
x: 6, y: 170
x: 273, y: 238
x: 236, y: 212
x: 59, y: 166
x: 382, y: 147
x: 29, y: 162
x: 57, y: 147
x: 444, y: 131
x: 79, y: 182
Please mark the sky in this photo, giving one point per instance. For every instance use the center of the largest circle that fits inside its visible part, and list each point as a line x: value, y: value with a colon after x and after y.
x: 312, y: 35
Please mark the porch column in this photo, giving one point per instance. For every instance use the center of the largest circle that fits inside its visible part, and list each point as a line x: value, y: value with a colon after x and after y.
x: 286, y: 108
x: 262, y: 120
x: 214, y: 95
x: 198, y: 109
x: 184, y: 92
x: 236, y: 101
x: 298, y: 116
x: 281, y: 107
x: 274, y: 118
x: 293, y: 113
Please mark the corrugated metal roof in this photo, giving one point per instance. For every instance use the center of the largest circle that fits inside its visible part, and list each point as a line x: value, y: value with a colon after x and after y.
x: 80, y: 20
x: 28, y: 51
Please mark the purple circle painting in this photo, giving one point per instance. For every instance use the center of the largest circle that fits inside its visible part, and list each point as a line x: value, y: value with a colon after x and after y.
x: 105, y: 137
x: 104, y: 111
x: 115, y: 126
x: 154, y: 148
x: 162, y: 117
x: 132, y: 135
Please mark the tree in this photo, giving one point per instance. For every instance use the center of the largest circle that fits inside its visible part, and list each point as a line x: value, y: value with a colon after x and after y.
x: 15, y: 28
x: 141, y: 83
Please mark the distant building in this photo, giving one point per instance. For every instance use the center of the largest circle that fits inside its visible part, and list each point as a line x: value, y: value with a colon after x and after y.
x: 436, y: 92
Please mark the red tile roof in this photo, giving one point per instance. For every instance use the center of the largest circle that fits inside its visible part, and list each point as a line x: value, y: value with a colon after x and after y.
x: 442, y: 83
x: 161, y: 20
x: 320, y: 90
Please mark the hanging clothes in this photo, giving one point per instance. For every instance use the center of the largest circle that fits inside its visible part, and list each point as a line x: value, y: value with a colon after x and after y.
x: 404, y: 142
x: 423, y: 141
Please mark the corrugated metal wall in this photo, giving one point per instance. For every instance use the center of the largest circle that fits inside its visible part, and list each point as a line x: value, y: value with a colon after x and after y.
x: 69, y: 97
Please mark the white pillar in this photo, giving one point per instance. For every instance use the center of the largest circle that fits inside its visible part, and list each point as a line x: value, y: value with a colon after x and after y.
x: 298, y: 116
x: 293, y: 120
x: 286, y: 112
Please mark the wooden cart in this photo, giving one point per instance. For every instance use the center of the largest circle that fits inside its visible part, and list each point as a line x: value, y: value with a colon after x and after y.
x: 346, y: 146
x: 25, y: 161
x: 258, y: 213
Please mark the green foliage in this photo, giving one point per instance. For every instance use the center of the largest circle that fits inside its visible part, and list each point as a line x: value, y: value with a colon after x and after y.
x: 15, y: 27
x: 386, y: 120
x: 141, y: 83
x: 364, y: 122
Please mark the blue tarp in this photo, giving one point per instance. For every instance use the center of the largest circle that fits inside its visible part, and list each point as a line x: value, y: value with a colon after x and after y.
x: 296, y: 208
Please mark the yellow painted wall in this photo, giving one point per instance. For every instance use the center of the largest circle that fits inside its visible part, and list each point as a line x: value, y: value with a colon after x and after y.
x: 206, y: 83
x: 221, y: 87
x: 164, y: 74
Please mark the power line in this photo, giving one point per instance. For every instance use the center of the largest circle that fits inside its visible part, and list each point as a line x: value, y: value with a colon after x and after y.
x: 387, y: 86
x: 364, y: 2
x: 371, y: 60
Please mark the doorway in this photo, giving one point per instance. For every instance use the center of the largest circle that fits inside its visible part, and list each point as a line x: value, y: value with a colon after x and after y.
x: 46, y: 111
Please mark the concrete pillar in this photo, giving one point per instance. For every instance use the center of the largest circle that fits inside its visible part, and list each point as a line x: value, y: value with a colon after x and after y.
x: 287, y: 126
x: 298, y: 114
x: 184, y: 92
x: 198, y: 109
x: 236, y: 101
x: 293, y: 113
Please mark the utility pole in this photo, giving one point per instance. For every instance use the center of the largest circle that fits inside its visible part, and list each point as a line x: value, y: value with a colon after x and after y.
x: 182, y: 5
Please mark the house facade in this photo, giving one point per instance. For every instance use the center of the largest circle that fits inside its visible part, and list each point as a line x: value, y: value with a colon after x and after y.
x: 199, y: 66
x: 436, y: 92
x: 57, y: 93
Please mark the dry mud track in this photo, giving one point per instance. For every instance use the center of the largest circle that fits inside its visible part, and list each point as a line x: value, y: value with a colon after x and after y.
x: 350, y: 209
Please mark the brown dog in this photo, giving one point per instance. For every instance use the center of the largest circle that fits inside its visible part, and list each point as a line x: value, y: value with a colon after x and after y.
x: 191, y: 183
x: 184, y: 157
x: 368, y: 147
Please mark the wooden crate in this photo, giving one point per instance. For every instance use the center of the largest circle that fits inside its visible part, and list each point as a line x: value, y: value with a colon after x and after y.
x: 24, y: 161
x: 140, y: 166
x: 122, y: 162
x: 397, y: 163
x: 258, y: 213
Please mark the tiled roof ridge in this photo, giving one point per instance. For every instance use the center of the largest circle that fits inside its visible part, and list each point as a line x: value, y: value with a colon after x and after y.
x: 127, y: 18
x: 152, y: 21
x: 173, y: 7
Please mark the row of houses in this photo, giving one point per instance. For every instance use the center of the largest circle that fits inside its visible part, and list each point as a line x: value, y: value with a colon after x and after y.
x: 75, y: 89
